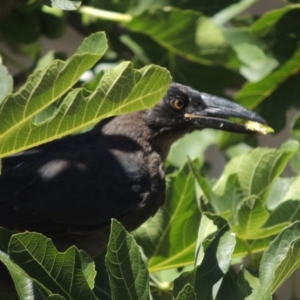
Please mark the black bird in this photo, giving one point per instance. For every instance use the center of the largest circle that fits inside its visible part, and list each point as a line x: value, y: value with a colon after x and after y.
x: 69, y: 189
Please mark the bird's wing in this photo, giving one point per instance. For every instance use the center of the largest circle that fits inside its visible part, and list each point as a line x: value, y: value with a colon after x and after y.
x: 69, y: 184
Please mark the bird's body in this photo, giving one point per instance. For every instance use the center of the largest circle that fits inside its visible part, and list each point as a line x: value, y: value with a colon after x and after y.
x: 79, y: 183
x: 70, y: 189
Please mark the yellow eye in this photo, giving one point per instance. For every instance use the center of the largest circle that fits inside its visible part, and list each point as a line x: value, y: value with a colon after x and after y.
x: 178, y: 104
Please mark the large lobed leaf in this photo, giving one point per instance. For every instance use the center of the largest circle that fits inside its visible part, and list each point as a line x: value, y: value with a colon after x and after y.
x: 241, y: 193
x: 257, y: 169
x: 169, y: 238
x: 43, y: 88
x: 37, y: 267
x: 195, y: 37
x: 29, y: 118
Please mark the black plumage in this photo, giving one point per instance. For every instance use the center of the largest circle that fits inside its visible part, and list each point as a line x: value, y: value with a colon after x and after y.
x: 69, y: 189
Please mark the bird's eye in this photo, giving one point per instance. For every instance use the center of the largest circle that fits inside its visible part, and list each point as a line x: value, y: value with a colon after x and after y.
x: 178, y: 104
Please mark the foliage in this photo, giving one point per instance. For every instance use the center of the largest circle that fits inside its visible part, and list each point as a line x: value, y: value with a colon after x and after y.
x: 206, y: 225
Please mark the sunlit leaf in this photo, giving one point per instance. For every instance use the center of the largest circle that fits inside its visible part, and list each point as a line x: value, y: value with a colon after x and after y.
x: 206, y: 277
x: 121, y: 90
x: 44, y: 87
x: 257, y: 246
x: 248, y: 284
x: 191, y: 146
x: 257, y: 169
x: 251, y: 217
x: 169, y: 238
x: 280, y: 260
x: 284, y: 200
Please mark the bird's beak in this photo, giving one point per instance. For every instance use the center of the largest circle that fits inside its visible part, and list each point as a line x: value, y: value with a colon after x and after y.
x: 217, y: 110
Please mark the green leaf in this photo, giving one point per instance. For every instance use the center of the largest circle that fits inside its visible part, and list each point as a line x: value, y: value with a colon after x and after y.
x: 295, y: 130
x: 284, y: 201
x: 285, y: 214
x: 43, y: 88
x: 256, y: 170
x: 252, y: 94
x: 256, y: 61
x: 283, y: 189
x: 251, y: 217
x: 280, y: 260
x: 201, y: 77
x: 102, y: 287
x: 178, y: 220
x: 121, y: 90
x: 248, y: 285
x: 88, y: 268
x: 6, y: 82
x: 229, y: 139
x: 187, y: 293
x: 295, y: 126
x: 191, y: 146
x: 222, y: 7
x: 274, y: 109
x: 269, y: 20
x: 48, y: 59
x: 195, y: 37
x: 242, y: 286
x: 207, y: 277
x: 244, y: 186
x: 231, y: 10
x: 206, y: 234
x: 203, y: 188
x: 56, y: 273
x: 128, y: 274
x: 23, y: 284
x: 257, y: 246
x: 63, y: 4
x: 230, y: 198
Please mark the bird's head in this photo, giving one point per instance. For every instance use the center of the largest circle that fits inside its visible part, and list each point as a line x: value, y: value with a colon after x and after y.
x: 184, y: 109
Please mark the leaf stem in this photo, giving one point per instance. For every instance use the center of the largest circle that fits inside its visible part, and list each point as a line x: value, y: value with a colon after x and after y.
x: 161, y: 285
x: 250, y: 254
x: 104, y: 14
